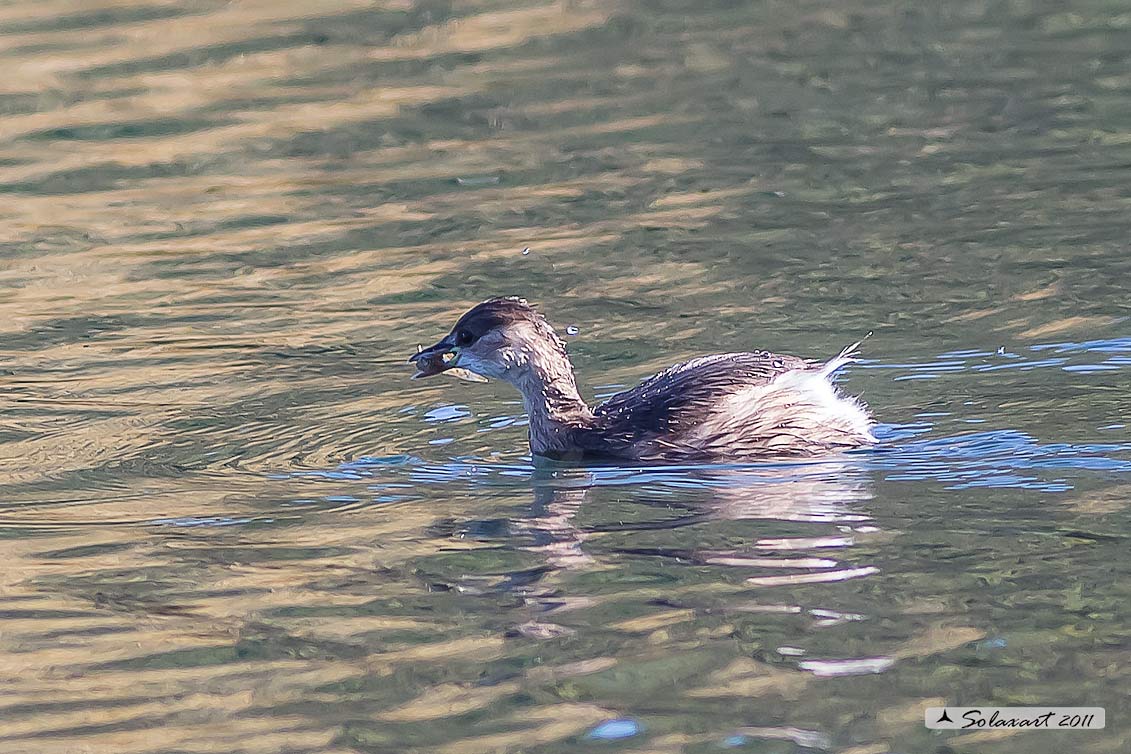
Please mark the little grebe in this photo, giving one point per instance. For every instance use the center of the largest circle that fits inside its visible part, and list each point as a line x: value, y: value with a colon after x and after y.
x: 725, y: 407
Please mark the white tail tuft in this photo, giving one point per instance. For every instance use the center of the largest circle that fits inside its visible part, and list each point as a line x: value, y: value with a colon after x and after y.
x: 847, y: 356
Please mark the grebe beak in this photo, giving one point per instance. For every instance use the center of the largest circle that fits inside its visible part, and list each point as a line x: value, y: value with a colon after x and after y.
x: 441, y: 358
x: 434, y: 359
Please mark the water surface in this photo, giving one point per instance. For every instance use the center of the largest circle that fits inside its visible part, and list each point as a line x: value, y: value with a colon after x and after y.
x: 231, y: 523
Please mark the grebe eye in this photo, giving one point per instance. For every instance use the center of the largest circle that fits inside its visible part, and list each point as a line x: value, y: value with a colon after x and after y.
x: 464, y: 338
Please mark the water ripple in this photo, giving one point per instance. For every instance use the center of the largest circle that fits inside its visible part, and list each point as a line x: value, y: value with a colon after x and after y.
x: 997, y: 459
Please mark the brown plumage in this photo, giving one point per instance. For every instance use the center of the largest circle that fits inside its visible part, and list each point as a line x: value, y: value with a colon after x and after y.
x: 725, y: 407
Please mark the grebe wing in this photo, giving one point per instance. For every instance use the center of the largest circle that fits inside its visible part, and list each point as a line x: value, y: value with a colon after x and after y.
x: 681, y: 396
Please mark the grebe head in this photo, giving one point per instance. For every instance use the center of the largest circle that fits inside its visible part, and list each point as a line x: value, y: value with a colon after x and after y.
x: 503, y: 338
x: 507, y: 339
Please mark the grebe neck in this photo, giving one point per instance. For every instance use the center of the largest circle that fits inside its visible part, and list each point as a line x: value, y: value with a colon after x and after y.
x: 553, y: 404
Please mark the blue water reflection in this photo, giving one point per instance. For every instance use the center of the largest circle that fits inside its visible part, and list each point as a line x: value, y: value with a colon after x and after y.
x: 1101, y: 355
x: 1004, y: 458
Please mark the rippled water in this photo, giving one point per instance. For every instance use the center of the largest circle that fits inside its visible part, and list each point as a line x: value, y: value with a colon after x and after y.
x: 232, y: 524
